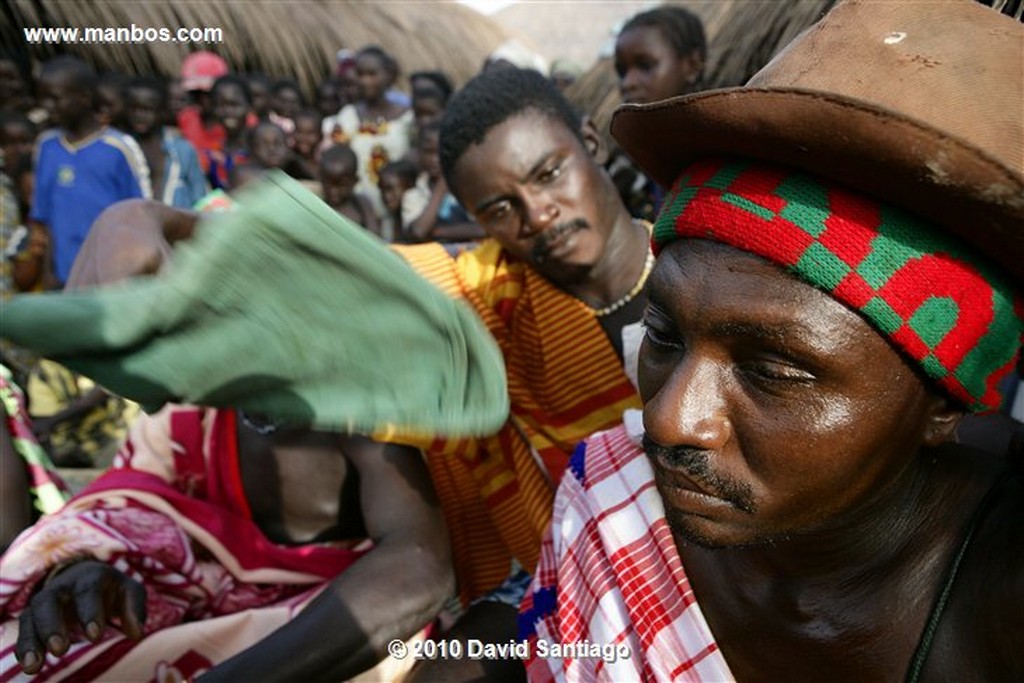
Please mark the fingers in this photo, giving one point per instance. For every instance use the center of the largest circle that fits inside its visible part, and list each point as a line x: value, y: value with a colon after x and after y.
x: 47, y: 613
x: 98, y: 599
x: 40, y: 628
x: 90, y: 610
x: 28, y: 649
x: 133, y: 608
x: 88, y: 594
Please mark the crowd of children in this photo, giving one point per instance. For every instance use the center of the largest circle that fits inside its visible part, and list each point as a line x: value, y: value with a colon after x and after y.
x: 356, y: 143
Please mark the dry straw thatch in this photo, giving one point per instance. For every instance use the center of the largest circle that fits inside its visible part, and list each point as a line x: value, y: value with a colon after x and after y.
x: 742, y: 36
x: 297, y: 38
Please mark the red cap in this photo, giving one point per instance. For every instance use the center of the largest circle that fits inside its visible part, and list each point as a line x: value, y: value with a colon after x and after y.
x: 200, y: 69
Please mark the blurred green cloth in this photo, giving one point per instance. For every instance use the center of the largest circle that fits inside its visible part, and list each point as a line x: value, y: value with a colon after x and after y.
x: 282, y: 308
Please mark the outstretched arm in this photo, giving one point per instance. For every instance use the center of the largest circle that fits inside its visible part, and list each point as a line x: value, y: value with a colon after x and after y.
x: 391, y: 592
x: 132, y: 237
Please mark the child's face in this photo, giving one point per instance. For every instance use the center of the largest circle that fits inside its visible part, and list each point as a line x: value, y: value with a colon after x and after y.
x: 144, y: 111
x: 260, y: 94
x: 307, y: 135
x: 391, y: 190
x: 177, y: 99
x: 427, y: 109
x: 66, y: 103
x: 338, y: 181
x: 230, y: 107
x: 287, y: 102
x: 373, y: 77
x: 16, y: 141
x: 110, y: 105
x: 328, y: 98
x: 430, y: 157
x: 269, y: 146
x: 348, y: 86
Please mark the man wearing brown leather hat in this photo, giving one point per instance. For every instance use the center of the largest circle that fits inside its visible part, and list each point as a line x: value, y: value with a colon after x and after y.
x: 840, y: 279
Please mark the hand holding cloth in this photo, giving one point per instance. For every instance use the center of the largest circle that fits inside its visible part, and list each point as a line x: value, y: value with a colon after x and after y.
x: 286, y: 309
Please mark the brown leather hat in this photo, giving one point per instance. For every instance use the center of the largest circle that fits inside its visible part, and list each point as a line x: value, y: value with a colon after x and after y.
x: 918, y: 103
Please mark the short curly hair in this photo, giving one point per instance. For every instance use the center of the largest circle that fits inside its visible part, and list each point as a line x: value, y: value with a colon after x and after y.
x: 491, y: 98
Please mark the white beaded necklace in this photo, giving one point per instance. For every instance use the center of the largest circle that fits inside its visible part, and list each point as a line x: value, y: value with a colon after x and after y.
x: 631, y: 294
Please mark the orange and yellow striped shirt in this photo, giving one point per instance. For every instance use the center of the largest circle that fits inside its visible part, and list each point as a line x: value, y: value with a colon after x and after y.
x: 565, y: 382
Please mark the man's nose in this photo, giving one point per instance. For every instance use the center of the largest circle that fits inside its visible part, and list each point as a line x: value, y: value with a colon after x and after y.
x: 690, y: 408
x: 540, y: 211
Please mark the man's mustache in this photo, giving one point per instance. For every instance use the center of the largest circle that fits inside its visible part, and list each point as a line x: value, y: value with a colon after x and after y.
x: 544, y: 240
x: 696, y: 463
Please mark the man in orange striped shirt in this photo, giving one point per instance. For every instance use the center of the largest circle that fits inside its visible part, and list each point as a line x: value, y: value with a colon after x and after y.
x: 558, y: 283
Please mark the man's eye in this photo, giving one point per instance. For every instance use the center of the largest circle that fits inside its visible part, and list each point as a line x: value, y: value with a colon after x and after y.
x: 496, y: 213
x: 775, y: 372
x: 659, y: 339
x: 550, y: 174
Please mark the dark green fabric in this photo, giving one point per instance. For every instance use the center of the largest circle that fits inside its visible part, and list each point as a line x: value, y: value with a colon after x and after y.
x: 284, y: 308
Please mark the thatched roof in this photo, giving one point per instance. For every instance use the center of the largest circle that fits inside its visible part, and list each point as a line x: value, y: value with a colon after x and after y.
x: 296, y: 38
x: 742, y: 36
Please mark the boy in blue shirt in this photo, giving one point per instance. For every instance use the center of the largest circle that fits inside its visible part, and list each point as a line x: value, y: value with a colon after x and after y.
x: 82, y: 167
x: 175, y: 175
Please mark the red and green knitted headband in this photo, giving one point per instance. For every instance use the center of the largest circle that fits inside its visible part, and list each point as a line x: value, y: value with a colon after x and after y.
x: 951, y: 313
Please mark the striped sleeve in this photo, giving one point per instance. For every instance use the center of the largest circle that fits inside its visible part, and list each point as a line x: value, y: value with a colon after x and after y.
x: 136, y: 162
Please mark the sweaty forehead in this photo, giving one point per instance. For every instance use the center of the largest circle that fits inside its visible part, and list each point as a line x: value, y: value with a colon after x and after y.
x: 723, y: 288
x: 515, y: 146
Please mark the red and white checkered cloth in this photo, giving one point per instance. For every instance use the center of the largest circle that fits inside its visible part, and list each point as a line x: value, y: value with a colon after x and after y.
x: 610, y: 578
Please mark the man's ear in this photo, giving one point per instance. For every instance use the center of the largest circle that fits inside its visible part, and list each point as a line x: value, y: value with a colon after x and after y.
x: 593, y: 141
x: 941, y: 422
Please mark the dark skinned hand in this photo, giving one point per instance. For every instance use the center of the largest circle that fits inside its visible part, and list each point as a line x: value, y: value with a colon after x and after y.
x: 89, y: 595
x: 130, y: 238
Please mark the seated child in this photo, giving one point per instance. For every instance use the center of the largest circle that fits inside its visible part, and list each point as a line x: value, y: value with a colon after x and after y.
x: 429, y: 211
x: 395, y: 179
x: 268, y: 145
x: 338, y: 177
x: 306, y: 146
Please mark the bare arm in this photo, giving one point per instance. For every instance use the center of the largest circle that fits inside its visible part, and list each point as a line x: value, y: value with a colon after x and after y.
x: 15, y: 499
x: 366, y: 208
x: 133, y: 237
x: 422, y: 227
x: 391, y: 592
x: 425, y: 228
